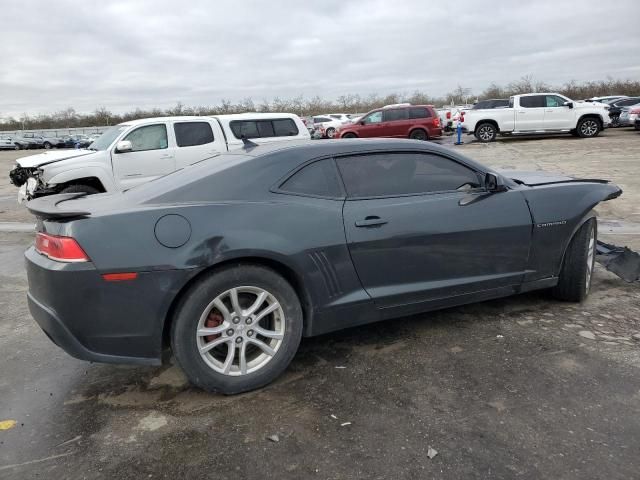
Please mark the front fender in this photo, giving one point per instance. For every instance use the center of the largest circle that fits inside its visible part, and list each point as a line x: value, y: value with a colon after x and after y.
x: 51, y: 177
x: 558, y: 211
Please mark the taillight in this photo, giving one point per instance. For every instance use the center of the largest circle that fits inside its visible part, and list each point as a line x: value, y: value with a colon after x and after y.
x: 448, y: 115
x: 461, y: 117
x: 61, y: 249
x: 436, y: 122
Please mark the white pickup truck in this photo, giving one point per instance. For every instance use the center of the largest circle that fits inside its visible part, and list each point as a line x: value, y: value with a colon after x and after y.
x: 140, y: 150
x: 538, y: 113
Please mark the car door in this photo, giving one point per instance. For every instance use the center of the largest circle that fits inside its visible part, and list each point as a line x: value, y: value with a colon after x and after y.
x: 151, y: 156
x: 194, y: 142
x: 557, y: 115
x: 371, y: 125
x: 395, y: 122
x: 530, y: 113
x: 420, y: 228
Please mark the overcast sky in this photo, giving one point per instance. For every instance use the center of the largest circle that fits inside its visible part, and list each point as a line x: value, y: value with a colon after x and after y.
x: 128, y: 54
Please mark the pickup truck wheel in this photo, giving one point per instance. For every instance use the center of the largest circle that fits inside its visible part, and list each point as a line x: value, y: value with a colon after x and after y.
x: 588, y: 127
x: 349, y: 135
x: 237, y: 329
x: 577, y: 267
x: 486, y: 132
x: 419, y: 135
x: 79, y: 188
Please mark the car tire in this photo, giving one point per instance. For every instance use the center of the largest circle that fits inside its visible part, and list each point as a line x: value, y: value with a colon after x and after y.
x: 486, y: 132
x: 47, y: 146
x: 419, y: 134
x: 349, y: 135
x: 576, y: 272
x: 220, y: 368
x: 588, y: 127
x: 16, y: 146
x: 330, y: 132
x: 79, y: 188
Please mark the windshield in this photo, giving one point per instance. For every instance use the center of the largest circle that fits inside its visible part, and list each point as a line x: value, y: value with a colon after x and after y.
x: 107, y: 138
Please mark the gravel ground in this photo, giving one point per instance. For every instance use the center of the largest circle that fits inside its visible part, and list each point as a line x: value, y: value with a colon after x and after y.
x: 523, y: 387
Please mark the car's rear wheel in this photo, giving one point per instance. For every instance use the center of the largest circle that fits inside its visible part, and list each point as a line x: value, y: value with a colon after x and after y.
x: 48, y: 145
x: 79, y: 188
x: 237, y: 329
x: 349, y: 135
x: 330, y: 132
x: 588, y: 127
x: 16, y: 146
x: 419, y: 134
x: 486, y: 132
x: 577, y: 267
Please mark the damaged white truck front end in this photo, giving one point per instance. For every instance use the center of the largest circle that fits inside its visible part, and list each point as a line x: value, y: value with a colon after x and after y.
x: 44, y: 173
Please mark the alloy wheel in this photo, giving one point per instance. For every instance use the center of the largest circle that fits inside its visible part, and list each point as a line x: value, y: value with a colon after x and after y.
x: 485, y: 133
x: 589, y: 128
x: 241, y: 330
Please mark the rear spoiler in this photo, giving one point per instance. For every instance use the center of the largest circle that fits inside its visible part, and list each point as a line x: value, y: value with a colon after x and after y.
x: 48, y: 207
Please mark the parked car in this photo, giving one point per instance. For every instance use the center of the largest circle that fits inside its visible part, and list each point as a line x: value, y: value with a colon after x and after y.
x: 307, y: 238
x: 343, y: 117
x: 615, y: 108
x: 606, y: 99
x: 54, y: 142
x: 36, y: 140
x: 141, y: 150
x: 536, y: 113
x: 22, y: 142
x: 419, y: 122
x: 629, y: 115
x: 325, y: 126
x: 637, y: 123
x: 491, y: 103
x: 6, y: 142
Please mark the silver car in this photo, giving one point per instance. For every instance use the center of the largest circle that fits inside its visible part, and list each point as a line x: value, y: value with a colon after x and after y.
x: 628, y: 115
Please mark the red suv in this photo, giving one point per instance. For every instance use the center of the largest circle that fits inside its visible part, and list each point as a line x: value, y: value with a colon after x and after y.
x: 420, y: 122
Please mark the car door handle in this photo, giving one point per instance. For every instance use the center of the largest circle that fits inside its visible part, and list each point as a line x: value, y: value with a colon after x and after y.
x: 166, y: 155
x: 370, y: 221
x: 521, y: 111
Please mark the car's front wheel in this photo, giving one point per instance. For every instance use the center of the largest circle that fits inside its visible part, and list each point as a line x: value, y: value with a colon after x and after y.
x: 47, y: 145
x: 331, y: 132
x: 237, y: 329
x: 576, y: 273
x: 17, y: 146
x: 588, y: 127
x: 486, y: 132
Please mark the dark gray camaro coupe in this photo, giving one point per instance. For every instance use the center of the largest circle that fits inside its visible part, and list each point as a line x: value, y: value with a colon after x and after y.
x: 232, y: 260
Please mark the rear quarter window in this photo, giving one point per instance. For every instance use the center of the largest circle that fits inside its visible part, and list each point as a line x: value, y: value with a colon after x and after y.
x: 318, y: 179
x: 419, y: 112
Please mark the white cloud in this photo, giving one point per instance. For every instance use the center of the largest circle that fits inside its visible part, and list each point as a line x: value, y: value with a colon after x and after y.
x: 127, y: 54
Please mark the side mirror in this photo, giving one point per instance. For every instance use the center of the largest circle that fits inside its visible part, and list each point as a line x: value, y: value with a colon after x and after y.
x: 124, y: 146
x: 568, y: 104
x: 361, y: 122
x: 493, y: 183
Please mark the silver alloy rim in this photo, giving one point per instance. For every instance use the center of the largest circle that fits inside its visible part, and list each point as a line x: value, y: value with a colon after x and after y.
x: 241, y: 330
x: 589, y: 128
x: 330, y: 133
x: 590, y: 253
x: 486, y: 133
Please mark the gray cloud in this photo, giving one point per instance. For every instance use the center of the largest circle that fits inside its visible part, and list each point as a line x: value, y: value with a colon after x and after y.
x: 127, y: 54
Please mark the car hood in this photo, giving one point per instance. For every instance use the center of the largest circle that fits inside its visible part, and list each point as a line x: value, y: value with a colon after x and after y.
x: 543, y: 178
x: 50, y: 157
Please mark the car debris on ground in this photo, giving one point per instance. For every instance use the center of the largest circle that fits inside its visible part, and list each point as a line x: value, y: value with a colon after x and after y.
x: 622, y: 261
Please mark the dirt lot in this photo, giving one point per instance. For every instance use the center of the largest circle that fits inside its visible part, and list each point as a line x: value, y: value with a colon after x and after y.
x: 524, y: 387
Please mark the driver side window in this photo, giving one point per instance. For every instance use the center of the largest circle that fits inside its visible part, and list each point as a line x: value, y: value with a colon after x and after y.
x: 149, y: 137
x: 555, y: 101
x: 375, y: 117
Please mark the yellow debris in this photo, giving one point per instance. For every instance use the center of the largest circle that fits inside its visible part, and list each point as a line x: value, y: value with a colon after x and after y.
x: 7, y: 424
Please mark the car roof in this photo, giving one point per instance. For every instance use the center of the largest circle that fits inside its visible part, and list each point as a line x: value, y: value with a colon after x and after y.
x: 195, y: 118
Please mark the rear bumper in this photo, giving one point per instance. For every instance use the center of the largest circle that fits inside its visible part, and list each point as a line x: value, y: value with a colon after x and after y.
x: 92, y: 319
x: 59, y: 334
